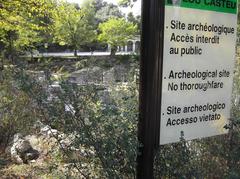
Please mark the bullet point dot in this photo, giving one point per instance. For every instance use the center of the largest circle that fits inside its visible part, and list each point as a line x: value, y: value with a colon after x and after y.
x: 165, y: 78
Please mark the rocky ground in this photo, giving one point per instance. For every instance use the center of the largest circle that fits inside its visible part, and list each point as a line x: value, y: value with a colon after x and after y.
x: 43, y: 154
x: 39, y: 156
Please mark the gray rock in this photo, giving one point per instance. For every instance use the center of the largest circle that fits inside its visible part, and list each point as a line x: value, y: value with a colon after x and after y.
x: 108, y: 77
x: 120, y: 73
x: 22, y: 145
x: 104, y: 96
x: 47, y: 131
x: 21, y: 150
x: 87, y: 76
x: 115, y: 74
x: 29, y: 155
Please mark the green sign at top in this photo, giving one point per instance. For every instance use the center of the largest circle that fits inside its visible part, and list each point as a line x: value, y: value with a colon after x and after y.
x: 227, y: 6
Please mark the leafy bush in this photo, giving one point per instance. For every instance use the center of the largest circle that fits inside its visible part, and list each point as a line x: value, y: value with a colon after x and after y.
x: 17, y: 111
x: 105, y: 132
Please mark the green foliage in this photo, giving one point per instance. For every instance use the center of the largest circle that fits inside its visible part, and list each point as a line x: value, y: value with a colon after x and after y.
x: 126, y: 3
x: 205, y: 158
x: 105, y: 11
x: 234, y: 127
x: 116, y: 32
x: 73, y: 26
x: 22, y: 22
x: 135, y: 20
x: 17, y: 112
x: 106, y: 132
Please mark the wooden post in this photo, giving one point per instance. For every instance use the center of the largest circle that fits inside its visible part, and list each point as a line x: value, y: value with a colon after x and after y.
x: 150, y: 85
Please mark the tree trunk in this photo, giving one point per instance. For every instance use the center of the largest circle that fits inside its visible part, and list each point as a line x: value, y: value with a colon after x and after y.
x: 75, y: 52
x: 1, y: 67
x: 1, y: 61
x: 113, y: 51
x: 31, y: 54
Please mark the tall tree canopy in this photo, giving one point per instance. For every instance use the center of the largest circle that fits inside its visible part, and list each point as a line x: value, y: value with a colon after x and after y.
x: 134, y: 19
x: 105, y: 11
x: 22, y: 22
x: 126, y: 3
x: 73, y: 26
x: 116, y: 32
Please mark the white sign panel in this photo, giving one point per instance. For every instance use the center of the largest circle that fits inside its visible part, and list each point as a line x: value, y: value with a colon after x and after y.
x: 198, y: 63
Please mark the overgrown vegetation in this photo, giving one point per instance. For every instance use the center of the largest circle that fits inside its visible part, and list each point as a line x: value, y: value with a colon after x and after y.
x: 105, y: 133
